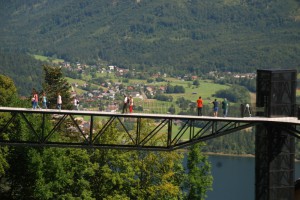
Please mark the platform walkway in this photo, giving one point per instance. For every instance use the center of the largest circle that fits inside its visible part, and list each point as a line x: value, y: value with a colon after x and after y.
x: 192, y: 129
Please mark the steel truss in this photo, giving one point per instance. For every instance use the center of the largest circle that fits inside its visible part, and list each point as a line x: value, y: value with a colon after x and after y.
x: 51, y: 128
x: 130, y: 127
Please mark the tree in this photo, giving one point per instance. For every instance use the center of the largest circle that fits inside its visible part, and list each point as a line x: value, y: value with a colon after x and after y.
x: 179, y: 89
x: 61, y: 173
x: 7, y: 94
x: 170, y: 88
x: 136, y: 174
x: 199, y: 179
x: 54, y: 83
x: 8, y: 90
x: 174, y: 89
x: 234, y: 94
x: 172, y: 109
x: 183, y: 103
x: 160, y: 174
x: 45, y: 173
x: 196, y: 83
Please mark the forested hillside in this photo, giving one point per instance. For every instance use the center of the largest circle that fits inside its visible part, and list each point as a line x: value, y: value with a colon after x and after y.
x: 169, y: 35
x: 23, y: 69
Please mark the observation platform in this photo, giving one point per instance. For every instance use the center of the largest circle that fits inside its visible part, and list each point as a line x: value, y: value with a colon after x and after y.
x: 135, y: 136
x: 288, y: 120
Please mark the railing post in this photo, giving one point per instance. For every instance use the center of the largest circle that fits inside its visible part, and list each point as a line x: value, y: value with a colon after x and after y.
x: 242, y: 110
x: 91, y: 130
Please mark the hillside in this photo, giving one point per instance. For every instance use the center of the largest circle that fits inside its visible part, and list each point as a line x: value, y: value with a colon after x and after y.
x: 23, y: 69
x: 165, y: 35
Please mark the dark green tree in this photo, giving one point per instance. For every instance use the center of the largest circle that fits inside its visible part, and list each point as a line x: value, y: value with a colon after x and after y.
x: 8, y: 90
x: 136, y: 174
x: 234, y: 94
x: 13, y: 165
x: 7, y: 94
x: 199, y: 178
x: 170, y: 89
x: 55, y: 83
x: 196, y: 83
x: 61, y: 173
x: 172, y: 109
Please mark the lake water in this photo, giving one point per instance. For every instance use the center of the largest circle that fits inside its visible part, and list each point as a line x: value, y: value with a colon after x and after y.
x: 234, y: 177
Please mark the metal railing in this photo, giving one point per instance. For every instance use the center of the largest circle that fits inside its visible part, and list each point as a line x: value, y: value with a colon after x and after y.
x: 234, y: 109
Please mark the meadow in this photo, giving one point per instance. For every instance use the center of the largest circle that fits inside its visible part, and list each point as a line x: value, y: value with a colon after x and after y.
x: 206, y: 90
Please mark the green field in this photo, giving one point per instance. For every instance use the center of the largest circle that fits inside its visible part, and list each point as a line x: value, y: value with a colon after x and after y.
x: 206, y: 89
x: 48, y: 59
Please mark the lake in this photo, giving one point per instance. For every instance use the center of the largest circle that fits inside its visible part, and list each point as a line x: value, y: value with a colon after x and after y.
x: 234, y: 177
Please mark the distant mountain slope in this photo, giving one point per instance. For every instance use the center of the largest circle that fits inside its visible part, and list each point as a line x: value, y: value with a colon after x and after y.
x: 165, y: 35
x: 26, y: 72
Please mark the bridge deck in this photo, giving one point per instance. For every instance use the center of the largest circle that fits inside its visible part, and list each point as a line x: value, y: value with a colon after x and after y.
x: 288, y: 120
x: 192, y: 129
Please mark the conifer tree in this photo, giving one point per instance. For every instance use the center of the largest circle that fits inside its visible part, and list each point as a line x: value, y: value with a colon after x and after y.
x: 55, y: 83
x: 7, y: 92
x: 8, y: 97
x: 199, y: 178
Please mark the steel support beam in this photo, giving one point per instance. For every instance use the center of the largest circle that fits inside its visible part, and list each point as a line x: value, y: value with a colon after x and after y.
x: 192, y: 130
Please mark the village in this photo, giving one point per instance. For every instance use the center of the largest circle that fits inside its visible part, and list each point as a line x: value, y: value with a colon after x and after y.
x: 105, y: 90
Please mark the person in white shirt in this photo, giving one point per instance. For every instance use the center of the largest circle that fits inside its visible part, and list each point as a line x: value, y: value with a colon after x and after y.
x: 125, y: 104
x: 76, y: 104
x: 59, y: 101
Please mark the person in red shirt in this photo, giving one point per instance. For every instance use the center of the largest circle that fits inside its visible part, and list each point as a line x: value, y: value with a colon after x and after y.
x: 36, y: 100
x: 199, y: 106
x: 130, y: 104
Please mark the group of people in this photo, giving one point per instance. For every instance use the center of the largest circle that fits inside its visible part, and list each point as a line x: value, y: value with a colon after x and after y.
x: 215, y: 103
x: 35, y: 101
x: 128, y: 103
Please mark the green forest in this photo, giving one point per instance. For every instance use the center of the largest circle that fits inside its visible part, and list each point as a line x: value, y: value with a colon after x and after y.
x: 172, y: 36
x: 176, y: 37
x: 68, y: 173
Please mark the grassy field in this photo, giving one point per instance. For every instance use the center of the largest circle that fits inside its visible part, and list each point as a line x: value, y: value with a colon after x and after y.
x: 153, y: 105
x: 206, y: 89
x: 48, y: 59
x: 80, y: 82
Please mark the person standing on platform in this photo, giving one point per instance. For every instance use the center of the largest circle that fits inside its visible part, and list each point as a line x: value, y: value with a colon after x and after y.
x: 125, y: 104
x: 215, y: 107
x: 199, y: 106
x: 33, y: 102
x: 130, y: 104
x: 248, y: 108
x: 225, y: 107
x: 36, y: 100
x: 76, y: 104
x: 59, y: 101
x: 44, y: 101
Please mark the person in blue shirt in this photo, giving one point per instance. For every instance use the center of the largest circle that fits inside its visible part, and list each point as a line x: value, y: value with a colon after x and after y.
x: 215, y: 107
x: 225, y: 107
x: 44, y: 101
